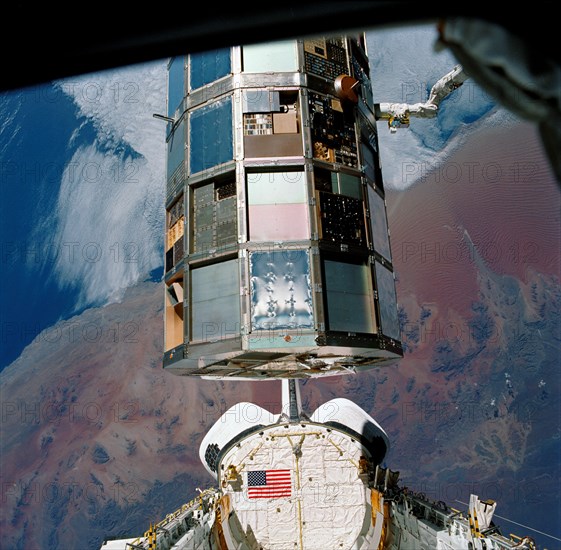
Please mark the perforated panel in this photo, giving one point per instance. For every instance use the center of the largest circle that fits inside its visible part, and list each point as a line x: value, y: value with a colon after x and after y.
x: 214, y: 216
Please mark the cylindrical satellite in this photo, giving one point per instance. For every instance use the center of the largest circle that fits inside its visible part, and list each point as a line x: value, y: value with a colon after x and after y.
x: 278, y: 260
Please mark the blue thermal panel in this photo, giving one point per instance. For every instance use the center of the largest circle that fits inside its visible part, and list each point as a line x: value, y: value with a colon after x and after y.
x: 206, y: 67
x: 176, y: 84
x: 379, y: 224
x: 281, y: 295
x: 215, y: 299
x: 211, y: 140
x: 176, y: 149
x: 388, y: 301
x: 350, y: 302
x: 274, y: 57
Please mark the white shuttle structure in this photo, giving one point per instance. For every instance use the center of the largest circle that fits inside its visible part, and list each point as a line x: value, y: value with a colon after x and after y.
x: 290, y: 481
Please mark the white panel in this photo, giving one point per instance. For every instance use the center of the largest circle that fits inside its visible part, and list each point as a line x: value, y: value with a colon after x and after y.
x: 272, y: 57
x: 277, y: 188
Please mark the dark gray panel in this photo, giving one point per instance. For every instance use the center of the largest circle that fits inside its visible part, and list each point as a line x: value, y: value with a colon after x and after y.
x: 226, y: 233
x: 204, y: 239
x: 368, y: 162
x: 215, y: 299
x: 350, y: 301
x: 226, y: 209
x: 204, y: 195
x: 379, y: 224
x: 204, y: 215
x: 350, y: 186
x: 387, y: 301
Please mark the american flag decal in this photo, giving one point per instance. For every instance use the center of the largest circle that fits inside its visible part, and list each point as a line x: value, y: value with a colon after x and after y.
x: 268, y: 484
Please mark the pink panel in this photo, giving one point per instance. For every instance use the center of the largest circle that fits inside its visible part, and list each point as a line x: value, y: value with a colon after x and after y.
x: 278, y: 222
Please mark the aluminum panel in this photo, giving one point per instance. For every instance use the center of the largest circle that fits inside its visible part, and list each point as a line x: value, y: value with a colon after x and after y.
x: 215, y: 299
x: 226, y: 209
x: 277, y: 188
x: 285, y: 123
x: 203, y: 239
x: 260, y: 101
x: 387, y: 301
x: 274, y: 57
x: 211, y: 138
x: 204, y: 215
x: 226, y: 233
x: 204, y: 195
x: 208, y: 66
x: 350, y: 301
x: 281, y: 294
x: 379, y: 224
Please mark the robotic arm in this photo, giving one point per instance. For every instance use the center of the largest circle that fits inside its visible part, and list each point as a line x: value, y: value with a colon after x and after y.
x: 397, y: 114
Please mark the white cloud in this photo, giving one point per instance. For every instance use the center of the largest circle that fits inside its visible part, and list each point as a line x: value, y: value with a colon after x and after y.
x: 120, y: 103
x: 107, y: 229
x: 9, y: 127
x: 105, y: 240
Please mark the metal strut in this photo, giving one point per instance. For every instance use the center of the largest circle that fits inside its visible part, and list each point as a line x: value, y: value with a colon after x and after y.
x: 292, y: 401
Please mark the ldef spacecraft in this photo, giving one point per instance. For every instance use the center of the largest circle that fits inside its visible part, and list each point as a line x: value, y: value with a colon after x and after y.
x: 278, y: 259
